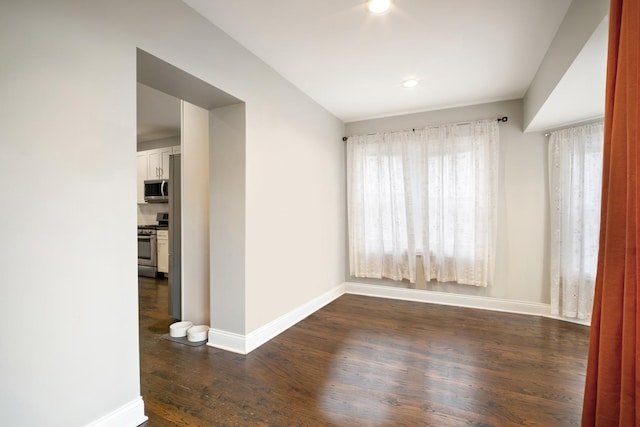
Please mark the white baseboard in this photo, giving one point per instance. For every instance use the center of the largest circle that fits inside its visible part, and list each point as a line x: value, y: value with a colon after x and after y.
x: 227, y: 341
x: 244, y: 344
x: 458, y: 300
x: 247, y: 343
x: 128, y: 415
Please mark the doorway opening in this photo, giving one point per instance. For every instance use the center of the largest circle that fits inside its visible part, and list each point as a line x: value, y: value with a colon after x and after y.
x: 181, y: 128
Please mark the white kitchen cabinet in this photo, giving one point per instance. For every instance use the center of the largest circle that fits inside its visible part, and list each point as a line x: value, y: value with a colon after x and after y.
x: 163, y: 251
x: 176, y: 149
x: 159, y: 163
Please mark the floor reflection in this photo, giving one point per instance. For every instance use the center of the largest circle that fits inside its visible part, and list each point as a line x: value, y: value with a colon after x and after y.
x: 370, y: 362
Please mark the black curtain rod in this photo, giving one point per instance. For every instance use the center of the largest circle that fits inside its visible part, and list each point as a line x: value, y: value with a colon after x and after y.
x: 499, y: 119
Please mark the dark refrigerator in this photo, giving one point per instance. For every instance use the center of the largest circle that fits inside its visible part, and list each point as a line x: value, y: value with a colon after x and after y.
x: 175, y: 218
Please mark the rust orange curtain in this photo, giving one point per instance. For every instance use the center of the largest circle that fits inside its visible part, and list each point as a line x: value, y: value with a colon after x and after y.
x: 613, y: 372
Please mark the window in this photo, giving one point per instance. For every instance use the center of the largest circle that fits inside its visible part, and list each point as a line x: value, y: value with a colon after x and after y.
x: 429, y: 192
x: 575, y: 180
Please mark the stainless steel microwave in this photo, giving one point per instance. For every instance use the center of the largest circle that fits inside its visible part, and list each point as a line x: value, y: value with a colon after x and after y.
x: 156, y: 191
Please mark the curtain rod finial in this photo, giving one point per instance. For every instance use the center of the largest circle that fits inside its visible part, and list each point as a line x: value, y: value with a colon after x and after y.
x: 344, y: 138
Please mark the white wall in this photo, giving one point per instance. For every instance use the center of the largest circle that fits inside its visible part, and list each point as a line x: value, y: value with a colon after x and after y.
x: 227, y: 226
x: 522, y: 266
x: 194, y: 186
x: 69, y: 340
x: 295, y: 205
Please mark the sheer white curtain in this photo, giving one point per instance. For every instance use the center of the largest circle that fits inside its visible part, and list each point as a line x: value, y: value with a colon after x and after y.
x: 429, y: 192
x: 575, y: 180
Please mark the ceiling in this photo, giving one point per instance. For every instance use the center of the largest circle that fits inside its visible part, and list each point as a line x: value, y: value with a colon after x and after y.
x: 158, y: 114
x: 464, y: 52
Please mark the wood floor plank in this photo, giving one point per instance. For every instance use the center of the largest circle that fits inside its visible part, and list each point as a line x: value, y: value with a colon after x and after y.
x: 364, y: 361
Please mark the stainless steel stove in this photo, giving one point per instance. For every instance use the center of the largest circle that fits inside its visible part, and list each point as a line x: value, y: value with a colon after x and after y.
x: 147, y: 245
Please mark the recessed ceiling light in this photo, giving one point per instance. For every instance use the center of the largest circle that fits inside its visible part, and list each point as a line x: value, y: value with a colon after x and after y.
x: 378, y: 7
x: 410, y: 83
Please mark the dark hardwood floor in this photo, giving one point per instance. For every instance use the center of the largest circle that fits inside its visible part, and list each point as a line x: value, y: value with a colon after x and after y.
x: 364, y: 361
